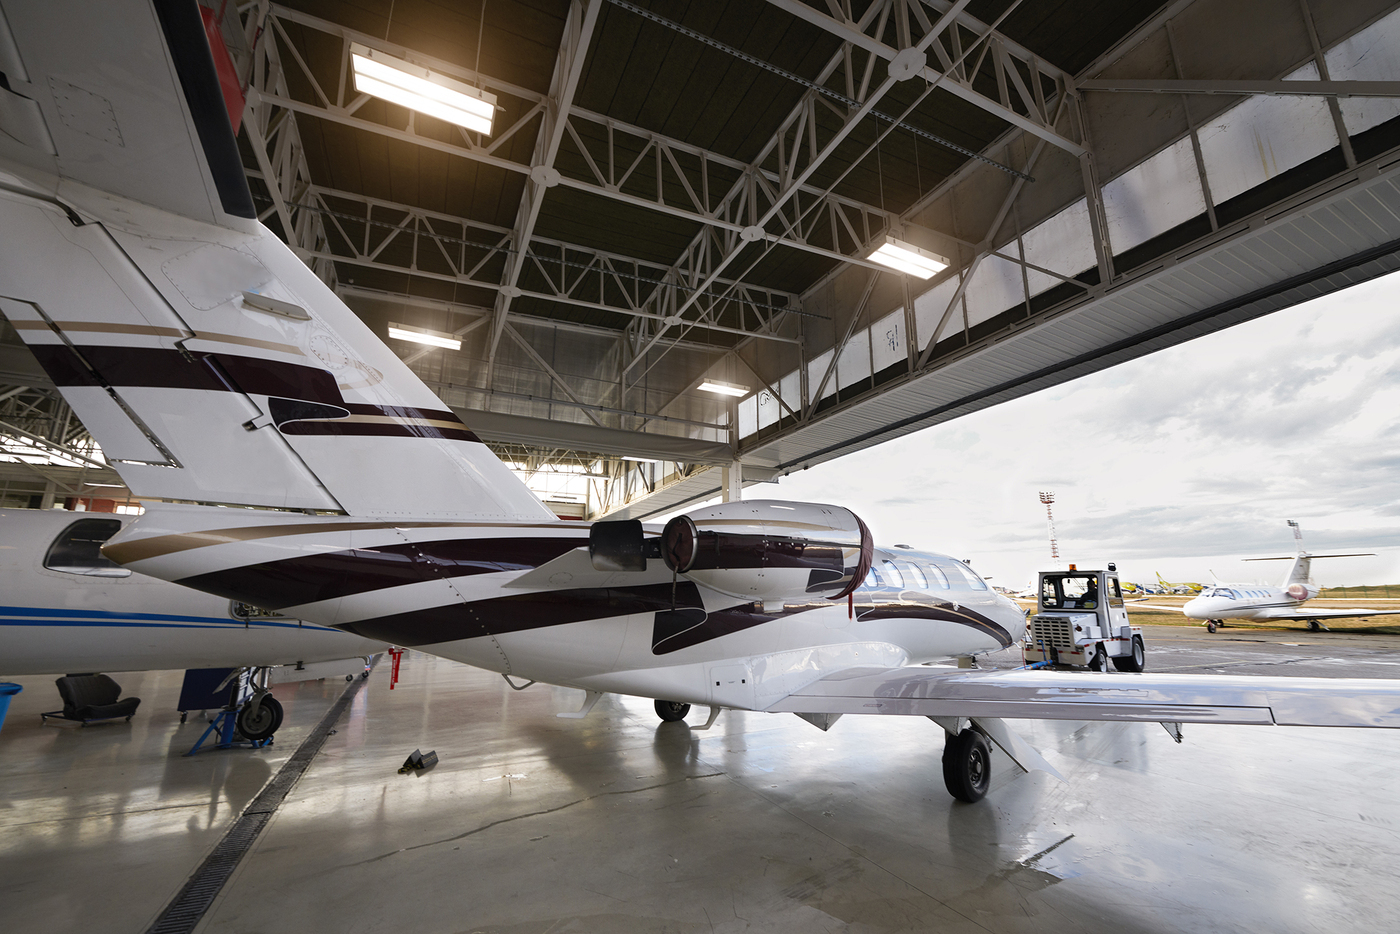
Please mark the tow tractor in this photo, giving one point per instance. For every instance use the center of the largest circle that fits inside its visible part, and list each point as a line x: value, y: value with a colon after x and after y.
x: 1080, y: 620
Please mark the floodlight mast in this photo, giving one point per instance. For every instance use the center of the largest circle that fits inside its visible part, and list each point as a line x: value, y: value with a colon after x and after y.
x: 1047, y: 499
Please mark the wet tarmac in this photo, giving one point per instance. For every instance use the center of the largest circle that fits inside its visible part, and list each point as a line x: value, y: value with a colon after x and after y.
x: 618, y: 823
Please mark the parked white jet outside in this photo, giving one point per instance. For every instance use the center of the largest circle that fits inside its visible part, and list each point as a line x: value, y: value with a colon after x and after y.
x: 1260, y: 602
x: 215, y: 369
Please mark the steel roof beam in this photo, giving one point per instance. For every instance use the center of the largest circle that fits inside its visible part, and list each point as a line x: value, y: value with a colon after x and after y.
x: 1244, y: 88
x: 816, y: 158
x: 573, y: 49
x: 524, y: 293
x: 949, y: 82
x: 427, y: 229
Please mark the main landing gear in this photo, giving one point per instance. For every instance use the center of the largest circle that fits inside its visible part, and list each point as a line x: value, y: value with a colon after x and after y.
x: 671, y: 711
x: 967, y: 765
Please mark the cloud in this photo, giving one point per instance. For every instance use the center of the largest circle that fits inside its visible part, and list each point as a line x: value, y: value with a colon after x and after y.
x: 1192, y: 453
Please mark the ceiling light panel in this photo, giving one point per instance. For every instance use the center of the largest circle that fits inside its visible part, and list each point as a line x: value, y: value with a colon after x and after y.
x: 404, y: 332
x: 724, y: 389
x: 907, y: 258
x: 427, y: 92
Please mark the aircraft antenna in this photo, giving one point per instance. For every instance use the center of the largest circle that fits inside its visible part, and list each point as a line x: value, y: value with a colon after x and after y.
x: 1047, y: 499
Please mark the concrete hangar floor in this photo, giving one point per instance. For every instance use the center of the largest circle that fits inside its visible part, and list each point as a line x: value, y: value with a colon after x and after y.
x: 619, y: 823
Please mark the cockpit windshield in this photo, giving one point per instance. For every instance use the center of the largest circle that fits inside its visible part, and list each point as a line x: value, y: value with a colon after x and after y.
x: 1070, y: 591
x: 1225, y: 592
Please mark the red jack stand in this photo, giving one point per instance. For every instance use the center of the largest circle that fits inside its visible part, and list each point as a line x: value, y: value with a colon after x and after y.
x: 397, y: 655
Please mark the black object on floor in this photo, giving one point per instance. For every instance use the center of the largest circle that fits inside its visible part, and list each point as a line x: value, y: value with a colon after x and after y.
x: 92, y: 699
x: 417, y: 761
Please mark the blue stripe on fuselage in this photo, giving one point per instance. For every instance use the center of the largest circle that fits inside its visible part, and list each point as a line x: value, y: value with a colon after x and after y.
x: 47, y: 616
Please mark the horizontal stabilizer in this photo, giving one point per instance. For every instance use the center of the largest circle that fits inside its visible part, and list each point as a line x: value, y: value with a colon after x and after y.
x: 197, y: 392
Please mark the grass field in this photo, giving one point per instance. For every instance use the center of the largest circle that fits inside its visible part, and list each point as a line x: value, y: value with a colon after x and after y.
x: 1378, y: 625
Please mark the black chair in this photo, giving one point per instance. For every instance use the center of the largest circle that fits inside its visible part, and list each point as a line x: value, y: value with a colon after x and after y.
x: 91, y: 699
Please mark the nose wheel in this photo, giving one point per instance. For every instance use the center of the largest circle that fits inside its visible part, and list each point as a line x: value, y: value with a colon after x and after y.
x: 260, y: 717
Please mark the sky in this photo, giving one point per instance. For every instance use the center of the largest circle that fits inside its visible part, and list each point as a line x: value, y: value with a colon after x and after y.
x: 1184, y: 461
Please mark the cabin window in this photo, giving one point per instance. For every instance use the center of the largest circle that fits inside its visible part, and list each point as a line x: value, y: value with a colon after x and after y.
x: 968, y: 575
x: 937, y: 577
x: 77, y: 550
x: 917, y: 576
x: 892, y: 573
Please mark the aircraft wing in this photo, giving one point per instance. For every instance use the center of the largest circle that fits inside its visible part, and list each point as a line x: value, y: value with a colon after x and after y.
x: 1153, y: 606
x: 1067, y: 695
x: 1325, y: 614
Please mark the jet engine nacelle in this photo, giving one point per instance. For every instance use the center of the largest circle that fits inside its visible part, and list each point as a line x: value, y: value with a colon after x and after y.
x: 770, y: 550
x: 1301, y: 591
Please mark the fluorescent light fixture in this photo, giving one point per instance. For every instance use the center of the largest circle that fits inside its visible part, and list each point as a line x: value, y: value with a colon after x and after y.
x: 905, y: 257
x: 640, y: 460
x: 406, y: 332
x: 724, y: 389
x: 417, y: 88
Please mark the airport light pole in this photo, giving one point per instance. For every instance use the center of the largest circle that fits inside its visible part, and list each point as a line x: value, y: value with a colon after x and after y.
x: 1047, y: 499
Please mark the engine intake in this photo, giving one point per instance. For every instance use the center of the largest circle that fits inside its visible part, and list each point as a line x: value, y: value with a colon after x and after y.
x: 765, y: 549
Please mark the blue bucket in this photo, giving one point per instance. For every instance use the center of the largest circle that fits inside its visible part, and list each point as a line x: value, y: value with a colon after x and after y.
x: 8, y: 689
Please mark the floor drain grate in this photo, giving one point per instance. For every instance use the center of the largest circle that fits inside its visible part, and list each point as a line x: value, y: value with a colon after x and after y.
x: 189, y: 905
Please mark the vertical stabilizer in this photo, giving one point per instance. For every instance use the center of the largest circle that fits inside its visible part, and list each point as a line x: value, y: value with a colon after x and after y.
x: 1301, y: 572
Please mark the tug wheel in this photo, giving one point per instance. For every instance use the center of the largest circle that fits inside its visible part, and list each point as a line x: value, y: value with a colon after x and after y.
x: 1136, y: 661
x: 967, y: 765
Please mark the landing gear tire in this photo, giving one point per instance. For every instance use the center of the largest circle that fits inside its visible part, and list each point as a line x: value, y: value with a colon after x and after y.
x: 1136, y: 661
x: 671, y: 711
x: 1314, y: 626
x: 1099, y: 660
x: 258, y: 721
x: 967, y: 765
x: 1211, y: 625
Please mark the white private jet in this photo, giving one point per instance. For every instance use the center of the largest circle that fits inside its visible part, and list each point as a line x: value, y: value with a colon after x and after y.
x: 69, y: 609
x: 216, y: 370
x: 1261, y: 602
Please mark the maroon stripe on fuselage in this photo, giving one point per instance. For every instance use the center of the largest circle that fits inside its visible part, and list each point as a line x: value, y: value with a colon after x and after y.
x: 521, y: 612
x: 674, y: 627
x: 882, y: 607
x: 312, y: 578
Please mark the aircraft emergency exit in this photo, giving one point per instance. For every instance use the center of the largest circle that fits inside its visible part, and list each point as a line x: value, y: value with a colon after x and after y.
x: 216, y: 370
x: 1261, y: 602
